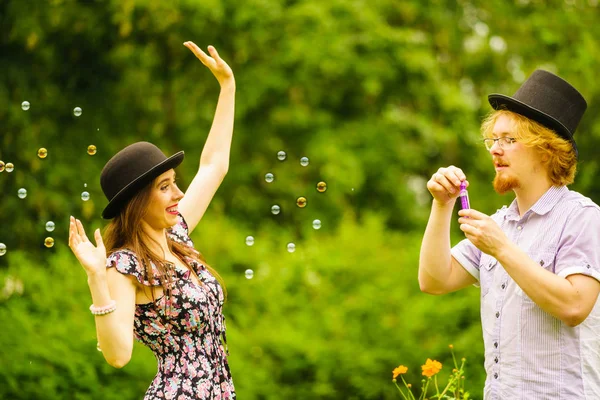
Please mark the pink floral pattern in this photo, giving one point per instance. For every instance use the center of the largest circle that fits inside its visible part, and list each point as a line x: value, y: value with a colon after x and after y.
x: 184, y: 333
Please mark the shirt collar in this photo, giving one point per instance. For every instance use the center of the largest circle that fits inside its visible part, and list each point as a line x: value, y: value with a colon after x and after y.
x: 542, y: 206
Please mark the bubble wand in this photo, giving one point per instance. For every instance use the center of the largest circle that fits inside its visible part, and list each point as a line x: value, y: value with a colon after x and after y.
x: 464, y: 196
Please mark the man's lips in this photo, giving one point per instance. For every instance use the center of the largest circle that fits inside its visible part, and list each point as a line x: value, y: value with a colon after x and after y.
x: 500, y: 165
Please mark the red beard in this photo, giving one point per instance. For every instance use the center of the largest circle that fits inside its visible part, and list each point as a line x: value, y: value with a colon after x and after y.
x: 503, y: 184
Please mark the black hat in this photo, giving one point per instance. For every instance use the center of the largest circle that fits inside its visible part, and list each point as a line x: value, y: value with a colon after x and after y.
x: 128, y: 171
x: 547, y: 99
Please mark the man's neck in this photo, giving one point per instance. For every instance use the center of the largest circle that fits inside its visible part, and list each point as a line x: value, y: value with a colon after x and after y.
x: 528, y: 195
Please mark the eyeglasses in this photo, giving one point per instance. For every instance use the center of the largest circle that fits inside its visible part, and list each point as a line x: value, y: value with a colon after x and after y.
x: 504, y: 142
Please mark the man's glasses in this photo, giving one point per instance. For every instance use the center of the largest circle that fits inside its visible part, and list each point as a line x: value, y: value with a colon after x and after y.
x: 503, y: 142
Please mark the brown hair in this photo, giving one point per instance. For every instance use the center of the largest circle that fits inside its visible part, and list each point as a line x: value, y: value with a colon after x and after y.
x: 123, y: 232
x: 557, y: 153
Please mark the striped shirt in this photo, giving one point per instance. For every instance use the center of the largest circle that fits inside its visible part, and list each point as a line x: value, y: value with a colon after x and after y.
x: 529, y: 354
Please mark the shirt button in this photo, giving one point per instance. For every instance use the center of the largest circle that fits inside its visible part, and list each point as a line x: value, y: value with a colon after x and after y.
x: 503, y: 285
x: 519, y: 227
x: 496, y: 344
x: 496, y: 359
x: 496, y: 376
x: 497, y: 314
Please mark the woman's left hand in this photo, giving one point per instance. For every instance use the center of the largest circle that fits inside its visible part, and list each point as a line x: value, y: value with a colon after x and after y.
x: 217, y: 66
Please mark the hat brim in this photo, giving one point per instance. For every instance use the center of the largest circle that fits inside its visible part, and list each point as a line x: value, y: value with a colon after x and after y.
x: 498, y: 101
x: 124, y: 195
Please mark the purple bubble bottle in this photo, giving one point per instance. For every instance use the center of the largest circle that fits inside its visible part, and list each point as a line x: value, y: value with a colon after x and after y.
x: 464, y: 196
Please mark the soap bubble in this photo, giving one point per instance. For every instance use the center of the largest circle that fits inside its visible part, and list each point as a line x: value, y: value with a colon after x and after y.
x: 281, y: 155
x: 2, y: 249
x: 249, y: 274
x: 321, y: 186
x: 77, y: 111
x: 275, y: 209
x: 304, y: 161
x: 50, y: 226
x: 9, y: 167
x: 301, y: 202
x: 85, y: 196
x: 2, y: 166
x: 249, y: 240
x: 317, y: 224
x: 269, y: 177
x: 49, y: 242
x: 42, y: 152
x: 25, y: 105
x: 22, y: 193
x: 291, y: 247
x: 91, y: 150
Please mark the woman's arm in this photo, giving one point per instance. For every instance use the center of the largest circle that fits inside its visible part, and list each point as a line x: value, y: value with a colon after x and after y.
x: 214, y: 161
x: 114, y: 330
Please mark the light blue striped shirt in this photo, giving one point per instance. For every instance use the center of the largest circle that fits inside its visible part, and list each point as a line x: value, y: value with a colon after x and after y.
x: 529, y: 354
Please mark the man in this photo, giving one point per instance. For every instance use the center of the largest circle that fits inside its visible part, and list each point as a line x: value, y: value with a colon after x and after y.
x: 538, y: 260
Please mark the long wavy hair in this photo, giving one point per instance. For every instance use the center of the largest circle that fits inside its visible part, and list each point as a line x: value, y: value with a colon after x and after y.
x: 558, y: 153
x: 123, y: 232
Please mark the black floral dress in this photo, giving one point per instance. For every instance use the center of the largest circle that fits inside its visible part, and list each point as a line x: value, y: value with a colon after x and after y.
x: 185, y: 335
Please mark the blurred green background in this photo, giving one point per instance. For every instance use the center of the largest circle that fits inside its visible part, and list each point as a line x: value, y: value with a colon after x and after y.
x: 378, y: 94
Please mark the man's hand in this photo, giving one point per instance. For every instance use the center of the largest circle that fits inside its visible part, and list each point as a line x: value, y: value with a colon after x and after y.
x: 482, y: 231
x: 444, y: 185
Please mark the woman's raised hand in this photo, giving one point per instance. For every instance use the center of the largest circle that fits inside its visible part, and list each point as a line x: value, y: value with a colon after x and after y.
x: 217, y: 66
x: 92, y: 258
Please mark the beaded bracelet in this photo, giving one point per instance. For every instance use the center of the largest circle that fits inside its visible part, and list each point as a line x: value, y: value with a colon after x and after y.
x: 107, y: 309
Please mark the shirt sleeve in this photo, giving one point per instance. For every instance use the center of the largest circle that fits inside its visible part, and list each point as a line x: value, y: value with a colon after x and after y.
x: 127, y: 263
x: 468, y: 256
x: 579, y: 247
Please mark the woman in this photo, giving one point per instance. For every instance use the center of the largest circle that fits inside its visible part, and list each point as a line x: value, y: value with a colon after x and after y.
x: 154, y: 285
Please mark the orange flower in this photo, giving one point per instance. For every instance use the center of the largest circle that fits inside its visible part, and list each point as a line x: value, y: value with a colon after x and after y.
x: 431, y: 367
x: 399, y: 371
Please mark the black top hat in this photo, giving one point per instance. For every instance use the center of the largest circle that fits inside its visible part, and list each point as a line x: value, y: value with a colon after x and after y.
x: 547, y: 99
x: 128, y: 171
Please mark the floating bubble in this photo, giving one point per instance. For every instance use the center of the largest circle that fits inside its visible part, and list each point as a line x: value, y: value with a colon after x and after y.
x: 42, y: 152
x: 291, y: 247
x: 9, y: 167
x: 321, y: 186
x: 77, y: 111
x: 249, y: 240
x: 98, y: 347
x: 2, y: 249
x: 317, y: 224
x: 25, y: 105
x: 91, y: 150
x: 2, y: 166
x: 85, y: 185
x: 85, y: 196
x: 249, y: 274
x: 301, y: 202
x: 281, y: 155
x: 49, y: 242
x: 50, y: 226
x: 275, y: 209
x: 269, y: 177
x: 304, y: 161
x: 22, y: 193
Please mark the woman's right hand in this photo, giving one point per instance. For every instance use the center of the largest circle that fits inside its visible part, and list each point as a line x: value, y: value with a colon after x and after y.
x: 444, y: 185
x: 92, y: 258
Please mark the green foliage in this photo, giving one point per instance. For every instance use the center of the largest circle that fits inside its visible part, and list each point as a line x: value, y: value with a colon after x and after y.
x: 377, y: 94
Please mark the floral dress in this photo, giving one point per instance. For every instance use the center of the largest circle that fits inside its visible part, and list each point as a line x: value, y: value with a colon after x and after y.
x: 185, y: 336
